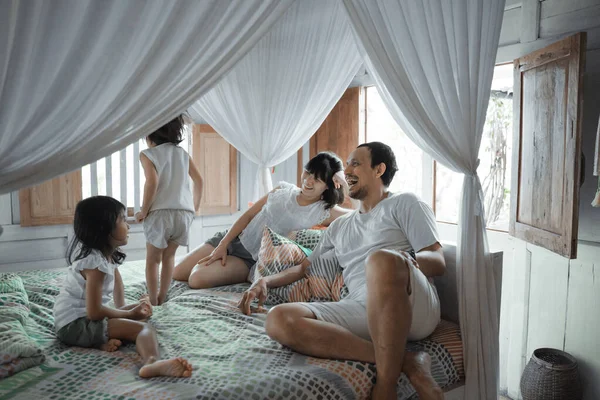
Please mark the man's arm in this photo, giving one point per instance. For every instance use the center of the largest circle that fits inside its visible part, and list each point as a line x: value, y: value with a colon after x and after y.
x: 431, y: 260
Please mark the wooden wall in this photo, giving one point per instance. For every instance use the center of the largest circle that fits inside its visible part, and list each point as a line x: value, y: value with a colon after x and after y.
x: 548, y: 300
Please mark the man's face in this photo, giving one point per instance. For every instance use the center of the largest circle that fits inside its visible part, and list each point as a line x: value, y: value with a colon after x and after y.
x: 359, y: 174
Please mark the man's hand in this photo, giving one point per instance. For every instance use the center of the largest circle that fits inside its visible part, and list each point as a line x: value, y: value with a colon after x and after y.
x: 258, y: 290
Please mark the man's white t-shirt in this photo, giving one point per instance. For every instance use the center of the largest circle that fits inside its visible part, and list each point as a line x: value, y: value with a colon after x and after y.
x: 401, y: 222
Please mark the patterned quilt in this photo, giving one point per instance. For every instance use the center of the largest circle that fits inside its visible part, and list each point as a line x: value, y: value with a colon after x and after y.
x: 232, y: 356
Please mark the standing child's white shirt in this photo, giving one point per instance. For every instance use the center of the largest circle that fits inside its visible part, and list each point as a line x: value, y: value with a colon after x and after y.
x: 172, y: 164
x: 70, y: 302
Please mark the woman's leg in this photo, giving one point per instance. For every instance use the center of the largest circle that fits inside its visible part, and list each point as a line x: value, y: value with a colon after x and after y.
x: 153, y: 259
x: 166, y: 272
x: 146, y: 345
x: 184, y: 268
x: 206, y: 276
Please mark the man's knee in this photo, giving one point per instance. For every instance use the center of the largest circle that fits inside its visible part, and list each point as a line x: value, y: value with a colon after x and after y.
x: 280, y: 324
x: 387, y: 267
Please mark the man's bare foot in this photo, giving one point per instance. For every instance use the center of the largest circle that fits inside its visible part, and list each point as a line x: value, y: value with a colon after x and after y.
x: 177, y: 367
x: 417, y: 366
x: 111, y: 345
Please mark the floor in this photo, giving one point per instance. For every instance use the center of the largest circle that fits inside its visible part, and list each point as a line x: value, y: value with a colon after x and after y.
x: 500, y: 397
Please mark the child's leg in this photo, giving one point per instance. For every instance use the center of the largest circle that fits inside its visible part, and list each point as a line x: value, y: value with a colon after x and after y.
x: 153, y: 258
x: 166, y: 273
x: 147, y: 347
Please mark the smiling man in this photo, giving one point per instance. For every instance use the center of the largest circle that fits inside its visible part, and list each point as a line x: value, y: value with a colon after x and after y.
x: 388, y: 250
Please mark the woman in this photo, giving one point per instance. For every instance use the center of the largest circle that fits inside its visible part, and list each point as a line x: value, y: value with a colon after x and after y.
x: 227, y: 257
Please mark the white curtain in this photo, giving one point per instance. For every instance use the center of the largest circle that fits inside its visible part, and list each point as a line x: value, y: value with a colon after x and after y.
x: 432, y: 62
x: 278, y: 95
x: 80, y: 79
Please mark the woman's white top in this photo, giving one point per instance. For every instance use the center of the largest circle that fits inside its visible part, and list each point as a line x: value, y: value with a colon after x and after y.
x: 172, y: 164
x: 70, y: 302
x: 282, y: 214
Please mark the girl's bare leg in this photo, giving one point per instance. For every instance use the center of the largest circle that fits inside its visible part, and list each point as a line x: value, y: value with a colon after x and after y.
x: 153, y: 258
x: 166, y: 272
x: 184, y: 268
x: 147, y: 347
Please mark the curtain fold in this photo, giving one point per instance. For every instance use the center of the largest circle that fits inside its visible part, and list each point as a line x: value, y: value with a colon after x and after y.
x: 80, y: 79
x: 279, y: 94
x: 432, y: 62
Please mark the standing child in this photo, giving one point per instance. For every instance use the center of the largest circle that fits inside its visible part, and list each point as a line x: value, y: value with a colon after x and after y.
x: 167, y: 208
x: 82, y: 314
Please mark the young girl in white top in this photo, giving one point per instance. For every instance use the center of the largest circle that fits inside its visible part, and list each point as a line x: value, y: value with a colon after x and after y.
x: 83, y: 315
x: 168, y: 206
x: 227, y: 257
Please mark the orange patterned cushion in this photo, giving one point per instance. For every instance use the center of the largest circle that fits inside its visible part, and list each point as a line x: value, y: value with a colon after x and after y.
x: 278, y: 253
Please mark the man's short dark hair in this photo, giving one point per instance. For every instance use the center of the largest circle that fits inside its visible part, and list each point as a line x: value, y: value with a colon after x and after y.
x: 381, y: 153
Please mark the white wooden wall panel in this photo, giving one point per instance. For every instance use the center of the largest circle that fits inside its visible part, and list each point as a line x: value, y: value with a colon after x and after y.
x: 579, y: 20
x: 5, y: 210
x: 547, y: 299
x: 42, y: 249
x: 583, y: 323
x: 510, y: 4
x: 551, y: 8
x: 511, y: 27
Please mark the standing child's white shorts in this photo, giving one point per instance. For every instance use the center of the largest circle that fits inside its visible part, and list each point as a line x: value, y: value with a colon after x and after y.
x: 163, y: 226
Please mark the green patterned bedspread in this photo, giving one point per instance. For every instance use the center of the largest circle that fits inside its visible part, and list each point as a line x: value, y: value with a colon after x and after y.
x: 231, y: 355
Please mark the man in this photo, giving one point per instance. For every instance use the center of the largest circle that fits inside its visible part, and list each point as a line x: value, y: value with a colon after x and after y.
x: 390, y: 300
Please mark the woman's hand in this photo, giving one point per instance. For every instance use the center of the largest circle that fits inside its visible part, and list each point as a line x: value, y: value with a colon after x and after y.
x: 339, y: 179
x: 219, y: 253
x: 259, y: 291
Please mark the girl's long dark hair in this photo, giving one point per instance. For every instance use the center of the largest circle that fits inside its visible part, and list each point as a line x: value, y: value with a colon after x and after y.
x: 323, y: 166
x: 95, y: 220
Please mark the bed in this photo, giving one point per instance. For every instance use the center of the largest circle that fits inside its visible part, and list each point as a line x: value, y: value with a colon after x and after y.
x: 232, y: 356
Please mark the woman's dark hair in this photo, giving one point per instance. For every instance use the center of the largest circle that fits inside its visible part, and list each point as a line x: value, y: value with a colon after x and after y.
x: 171, y: 132
x: 95, y: 219
x: 382, y: 154
x: 323, y: 166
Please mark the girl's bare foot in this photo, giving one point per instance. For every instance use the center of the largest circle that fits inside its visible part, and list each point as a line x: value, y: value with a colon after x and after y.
x: 178, y: 367
x: 417, y: 366
x: 111, y: 345
x: 161, y: 298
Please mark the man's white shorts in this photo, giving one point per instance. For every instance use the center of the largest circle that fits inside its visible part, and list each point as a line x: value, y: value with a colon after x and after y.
x: 351, y: 313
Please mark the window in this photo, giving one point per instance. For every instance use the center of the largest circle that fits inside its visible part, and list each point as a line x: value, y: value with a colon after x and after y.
x: 494, y: 160
x: 121, y: 170
x: 416, y: 175
x: 380, y: 126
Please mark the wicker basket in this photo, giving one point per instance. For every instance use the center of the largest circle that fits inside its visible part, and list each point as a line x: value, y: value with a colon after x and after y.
x: 551, y: 375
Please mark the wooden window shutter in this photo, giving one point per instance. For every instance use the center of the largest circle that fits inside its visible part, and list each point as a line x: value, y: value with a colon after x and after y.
x: 52, y: 202
x: 547, y: 146
x: 217, y: 161
x: 339, y: 132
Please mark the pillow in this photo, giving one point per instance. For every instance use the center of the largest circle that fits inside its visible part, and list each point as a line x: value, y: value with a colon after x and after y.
x: 278, y: 253
x: 323, y: 281
x: 308, y: 238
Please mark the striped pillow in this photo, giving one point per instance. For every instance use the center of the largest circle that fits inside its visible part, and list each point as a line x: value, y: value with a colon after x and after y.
x: 278, y: 253
x: 308, y: 238
x: 323, y: 281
